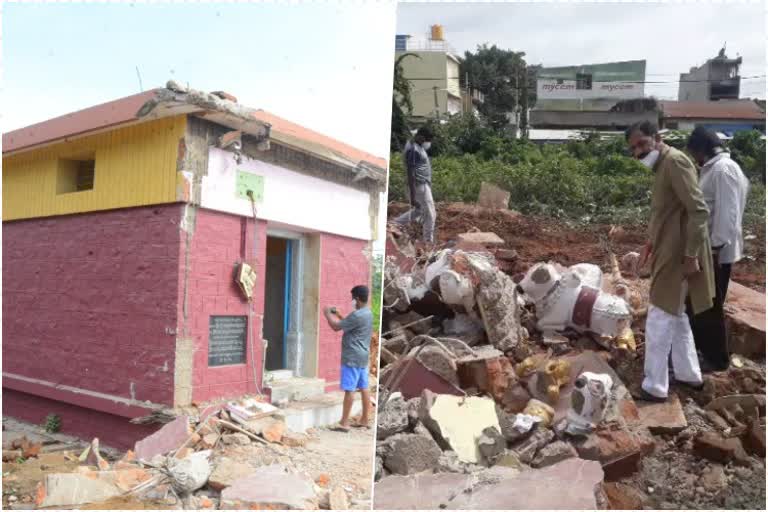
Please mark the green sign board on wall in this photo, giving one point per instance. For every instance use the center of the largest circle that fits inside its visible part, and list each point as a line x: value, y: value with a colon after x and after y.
x: 248, y: 181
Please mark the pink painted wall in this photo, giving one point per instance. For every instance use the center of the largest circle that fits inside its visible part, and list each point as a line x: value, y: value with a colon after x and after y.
x: 219, y: 242
x: 88, y: 300
x: 342, y: 266
x: 113, y: 431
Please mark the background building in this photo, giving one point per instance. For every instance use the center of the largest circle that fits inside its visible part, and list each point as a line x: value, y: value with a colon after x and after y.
x: 716, y: 79
x: 725, y: 116
x: 586, y: 96
x: 433, y: 72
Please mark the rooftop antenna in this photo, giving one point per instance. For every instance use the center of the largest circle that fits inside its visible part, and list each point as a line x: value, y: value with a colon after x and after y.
x: 138, y: 74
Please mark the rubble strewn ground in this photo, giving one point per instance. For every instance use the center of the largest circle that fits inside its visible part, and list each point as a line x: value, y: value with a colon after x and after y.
x: 490, y: 429
x: 214, y: 458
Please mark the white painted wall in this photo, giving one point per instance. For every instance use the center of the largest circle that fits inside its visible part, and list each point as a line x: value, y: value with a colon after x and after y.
x: 307, y: 203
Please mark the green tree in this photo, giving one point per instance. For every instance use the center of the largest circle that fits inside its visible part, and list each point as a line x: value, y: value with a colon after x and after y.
x: 505, y: 80
x: 402, y: 106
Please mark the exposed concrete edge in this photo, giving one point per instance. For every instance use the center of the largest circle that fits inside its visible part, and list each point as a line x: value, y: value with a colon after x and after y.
x: 111, y: 404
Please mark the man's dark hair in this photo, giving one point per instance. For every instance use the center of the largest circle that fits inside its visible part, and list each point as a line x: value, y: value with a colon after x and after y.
x: 704, y: 141
x: 647, y: 128
x: 424, y: 132
x: 360, y: 292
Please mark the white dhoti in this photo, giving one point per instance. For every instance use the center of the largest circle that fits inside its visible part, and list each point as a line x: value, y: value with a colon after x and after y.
x: 665, y: 334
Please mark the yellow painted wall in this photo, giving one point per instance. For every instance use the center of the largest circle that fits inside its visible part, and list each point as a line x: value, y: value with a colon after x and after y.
x: 135, y: 166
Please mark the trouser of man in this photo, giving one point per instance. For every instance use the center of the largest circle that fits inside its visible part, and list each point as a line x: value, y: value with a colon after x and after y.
x: 423, y: 211
x: 708, y: 327
x: 667, y: 334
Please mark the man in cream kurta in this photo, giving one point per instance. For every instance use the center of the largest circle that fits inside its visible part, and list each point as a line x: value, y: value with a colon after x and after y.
x: 681, y: 265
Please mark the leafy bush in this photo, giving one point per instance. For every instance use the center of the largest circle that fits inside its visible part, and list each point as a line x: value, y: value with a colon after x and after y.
x: 559, y: 181
x: 590, y: 180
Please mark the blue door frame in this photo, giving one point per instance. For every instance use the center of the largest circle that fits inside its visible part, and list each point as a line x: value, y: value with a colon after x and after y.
x: 287, y: 299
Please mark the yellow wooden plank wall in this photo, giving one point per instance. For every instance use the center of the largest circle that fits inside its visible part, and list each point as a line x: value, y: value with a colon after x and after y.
x: 135, y: 166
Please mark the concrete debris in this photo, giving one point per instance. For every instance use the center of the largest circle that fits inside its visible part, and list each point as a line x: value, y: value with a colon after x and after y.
x: 483, y: 239
x: 439, y: 362
x: 527, y: 448
x: 226, y: 472
x: 191, y: 473
x: 491, y: 445
x: 553, y: 453
x: 459, y: 422
x: 411, y: 453
x: 540, y: 412
x: 493, y: 197
x: 392, y: 418
x: 339, y: 499
x: 270, y: 488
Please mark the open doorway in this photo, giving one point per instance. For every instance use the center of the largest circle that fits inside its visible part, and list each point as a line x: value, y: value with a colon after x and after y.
x: 277, y: 301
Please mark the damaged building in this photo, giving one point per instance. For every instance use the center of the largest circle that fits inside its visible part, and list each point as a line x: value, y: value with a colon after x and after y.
x: 173, y: 248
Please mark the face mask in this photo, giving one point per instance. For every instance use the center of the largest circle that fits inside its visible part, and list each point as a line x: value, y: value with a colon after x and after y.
x: 650, y: 159
x: 426, y: 146
x: 354, y: 304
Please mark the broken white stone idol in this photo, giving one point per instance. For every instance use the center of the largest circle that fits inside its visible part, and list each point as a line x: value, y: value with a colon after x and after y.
x: 574, y: 299
x: 589, y: 400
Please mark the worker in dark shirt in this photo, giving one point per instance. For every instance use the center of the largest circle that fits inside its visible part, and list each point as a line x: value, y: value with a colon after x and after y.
x: 419, y: 171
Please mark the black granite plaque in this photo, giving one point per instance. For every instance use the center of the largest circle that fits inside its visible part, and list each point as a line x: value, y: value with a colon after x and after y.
x: 226, y: 340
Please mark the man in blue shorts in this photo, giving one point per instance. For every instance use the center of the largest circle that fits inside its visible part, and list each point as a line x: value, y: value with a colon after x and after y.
x: 355, y: 344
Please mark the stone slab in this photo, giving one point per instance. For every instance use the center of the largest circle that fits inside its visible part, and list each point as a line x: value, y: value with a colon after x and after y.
x: 419, y: 492
x: 663, y: 418
x: 269, y: 487
x: 568, y: 485
x: 167, y: 439
x: 745, y: 318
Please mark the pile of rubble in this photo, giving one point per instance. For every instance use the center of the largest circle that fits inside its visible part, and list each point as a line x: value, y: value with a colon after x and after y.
x: 235, y: 455
x: 502, y: 392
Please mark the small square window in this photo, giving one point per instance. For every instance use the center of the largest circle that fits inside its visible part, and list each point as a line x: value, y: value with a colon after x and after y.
x: 583, y: 81
x: 75, y: 175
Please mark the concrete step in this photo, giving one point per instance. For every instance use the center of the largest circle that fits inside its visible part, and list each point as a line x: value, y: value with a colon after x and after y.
x: 276, y: 375
x: 319, y: 411
x: 295, y: 388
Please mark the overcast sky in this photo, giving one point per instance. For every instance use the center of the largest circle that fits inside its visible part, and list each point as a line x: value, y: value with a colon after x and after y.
x: 325, y: 66
x: 670, y: 37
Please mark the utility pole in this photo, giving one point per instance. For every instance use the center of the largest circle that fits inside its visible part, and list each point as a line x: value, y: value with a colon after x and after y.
x: 437, y: 104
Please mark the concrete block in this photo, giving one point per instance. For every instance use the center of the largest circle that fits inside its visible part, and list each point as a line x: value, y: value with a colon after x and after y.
x: 459, y: 422
x: 411, y: 453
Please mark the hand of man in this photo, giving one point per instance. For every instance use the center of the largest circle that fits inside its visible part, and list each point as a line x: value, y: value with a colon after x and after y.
x: 691, y: 266
x: 646, y: 254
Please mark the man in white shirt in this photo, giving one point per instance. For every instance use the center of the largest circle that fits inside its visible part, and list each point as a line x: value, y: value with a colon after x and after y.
x: 725, y: 191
